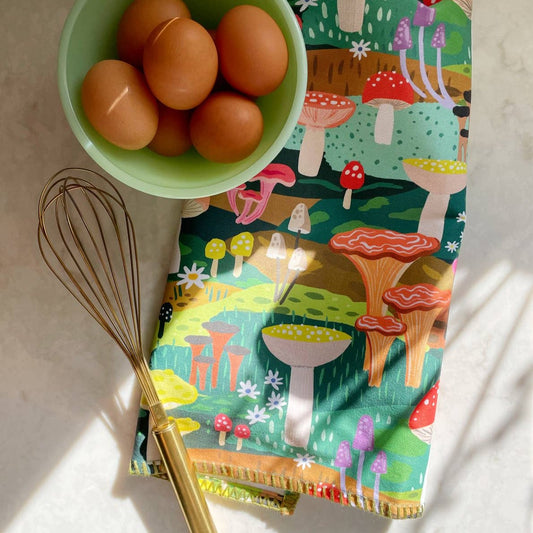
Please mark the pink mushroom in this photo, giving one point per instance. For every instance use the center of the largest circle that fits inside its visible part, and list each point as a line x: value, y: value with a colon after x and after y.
x: 197, y: 344
x: 232, y: 197
x: 269, y: 177
x: 352, y: 177
x: 389, y: 91
x: 251, y: 198
x: 321, y: 110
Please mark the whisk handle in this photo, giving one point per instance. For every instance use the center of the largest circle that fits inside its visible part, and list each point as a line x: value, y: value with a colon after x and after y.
x: 182, y: 475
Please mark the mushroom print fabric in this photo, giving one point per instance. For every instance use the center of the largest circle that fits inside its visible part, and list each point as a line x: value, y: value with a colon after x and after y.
x: 301, y: 335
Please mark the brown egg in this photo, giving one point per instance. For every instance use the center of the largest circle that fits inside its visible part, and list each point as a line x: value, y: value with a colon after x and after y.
x: 180, y: 63
x: 172, y: 137
x: 227, y: 127
x: 252, y: 51
x: 138, y: 21
x: 119, y: 104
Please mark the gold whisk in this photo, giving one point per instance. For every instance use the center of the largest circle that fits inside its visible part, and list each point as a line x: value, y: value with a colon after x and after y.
x: 87, y: 239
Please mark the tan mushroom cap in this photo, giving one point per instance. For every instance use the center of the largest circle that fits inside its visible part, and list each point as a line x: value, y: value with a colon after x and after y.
x: 325, y: 110
x: 422, y: 296
x: 375, y: 243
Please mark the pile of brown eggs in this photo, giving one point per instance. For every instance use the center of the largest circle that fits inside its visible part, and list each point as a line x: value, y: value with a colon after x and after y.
x: 177, y: 84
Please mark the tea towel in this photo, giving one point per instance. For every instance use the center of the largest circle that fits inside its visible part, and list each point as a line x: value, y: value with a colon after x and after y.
x: 302, y: 329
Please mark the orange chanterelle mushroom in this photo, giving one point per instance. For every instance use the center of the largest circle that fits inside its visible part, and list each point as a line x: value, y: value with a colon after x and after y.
x: 381, y: 256
x: 418, y: 307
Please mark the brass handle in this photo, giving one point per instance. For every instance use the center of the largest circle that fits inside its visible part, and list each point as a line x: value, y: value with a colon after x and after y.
x: 182, y: 475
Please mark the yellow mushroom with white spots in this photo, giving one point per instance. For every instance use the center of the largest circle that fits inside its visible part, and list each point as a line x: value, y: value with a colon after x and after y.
x: 215, y: 250
x: 441, y: 178
x: 241, y: 246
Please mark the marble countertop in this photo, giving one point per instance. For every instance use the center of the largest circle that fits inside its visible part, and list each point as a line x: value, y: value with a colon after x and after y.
x: 70, y: 401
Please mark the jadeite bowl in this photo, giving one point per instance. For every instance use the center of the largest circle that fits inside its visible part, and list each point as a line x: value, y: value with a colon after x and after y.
x: 89, y: 35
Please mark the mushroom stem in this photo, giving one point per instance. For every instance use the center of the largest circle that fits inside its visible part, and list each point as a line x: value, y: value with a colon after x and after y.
x: 384, y: 124
x: 222, y: 438
x: 359, y: 485
x: 278, y: 275
x: 376, y: 493
x: 433, y: 214
x: 194, y: 369
x: 351, y: 14
x: 299, y: 407
x: 283, y: 298
x: 311, y: 151
x: 407, y: 76
x: 379, y: 349
x: 447, y: 102
x: 237, y: 269
x: 421, y: 58
x: 214, y: 268
x: 347, y: 200
x: 343, y: 481
x: 239, y: 444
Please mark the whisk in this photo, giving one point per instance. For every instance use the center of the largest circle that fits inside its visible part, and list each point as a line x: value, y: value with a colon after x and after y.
x: 87, y: 239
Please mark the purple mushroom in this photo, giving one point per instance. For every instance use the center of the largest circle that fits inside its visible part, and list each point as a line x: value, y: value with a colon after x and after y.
x: 379, y: 466
x: 424, y: 17
x: 439, y: 42
x: 364, y: 442
x: 343, y: 461
x: 403, y: 42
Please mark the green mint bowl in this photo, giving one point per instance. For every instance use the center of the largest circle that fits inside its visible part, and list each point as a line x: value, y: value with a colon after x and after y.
x: 89, y: 36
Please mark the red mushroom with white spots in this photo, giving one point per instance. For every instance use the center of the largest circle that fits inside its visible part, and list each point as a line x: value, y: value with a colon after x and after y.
x: 321, y: 110
x: 223, y: 425
x: 418, y: 306
x: 423, y: 415
x: 389, y: 91
x: 352, y: 178
x: 242, y: 432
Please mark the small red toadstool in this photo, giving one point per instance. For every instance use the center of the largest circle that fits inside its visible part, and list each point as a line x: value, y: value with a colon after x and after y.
x: 223, y: 424
x: 242, y: 431
x: 352, y: 177
x: 423, y: 416
x: 389, y: 91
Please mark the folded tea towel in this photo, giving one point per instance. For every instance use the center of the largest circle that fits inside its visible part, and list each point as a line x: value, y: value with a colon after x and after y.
x: 301, y: 333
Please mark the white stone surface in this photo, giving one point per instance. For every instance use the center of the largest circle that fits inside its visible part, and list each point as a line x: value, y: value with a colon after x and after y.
x: 68, y: 396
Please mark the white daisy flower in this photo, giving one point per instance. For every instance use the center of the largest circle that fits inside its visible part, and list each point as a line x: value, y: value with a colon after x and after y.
x: 304, y: 461
x: 272, y: 378
x: 192, y: 276
x: 304, y: 4
x: 247, y: 389
x: 276, y: 401
x: 257, y: 415
x: 461, y: 217
x: 452, y: 246
x: 360, y: 49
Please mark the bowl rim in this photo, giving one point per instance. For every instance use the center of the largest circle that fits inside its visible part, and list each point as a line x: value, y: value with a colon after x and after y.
x: 196, y: 191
